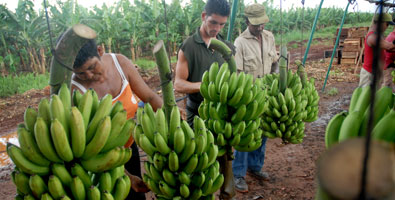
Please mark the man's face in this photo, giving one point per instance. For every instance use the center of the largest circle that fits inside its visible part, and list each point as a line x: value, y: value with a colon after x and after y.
x: 91, y: 70
x: 213, y: 24
x: 256, y: 29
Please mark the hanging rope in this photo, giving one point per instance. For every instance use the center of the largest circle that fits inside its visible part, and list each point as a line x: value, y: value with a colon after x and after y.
x: 301, y: 28
x: 50, y: 41
x: 375, y: 71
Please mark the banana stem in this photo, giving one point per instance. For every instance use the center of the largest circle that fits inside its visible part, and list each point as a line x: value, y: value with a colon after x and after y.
x: 283, y: 69
x: 64, y: 55
x: 165, y: 77
x: 226, y: 52
x: 301, y: 72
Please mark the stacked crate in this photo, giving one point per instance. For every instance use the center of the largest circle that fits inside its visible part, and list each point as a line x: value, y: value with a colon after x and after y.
x: 353, y: 45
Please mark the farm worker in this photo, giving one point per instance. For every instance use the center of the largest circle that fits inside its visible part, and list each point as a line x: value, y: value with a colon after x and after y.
x: 389, y: 62
x: 115, y: 74
x: 194, y: 58
x: 366, y: 75
x: 256, y: 55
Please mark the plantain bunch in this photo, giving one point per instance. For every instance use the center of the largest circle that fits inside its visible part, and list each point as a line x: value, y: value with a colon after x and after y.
x: 181, y: 161
x: 72, y: 152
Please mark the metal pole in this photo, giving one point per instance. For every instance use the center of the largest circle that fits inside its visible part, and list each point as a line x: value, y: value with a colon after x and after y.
x: 334, y: 49
x: 312, y: 32
x: 232, y: 19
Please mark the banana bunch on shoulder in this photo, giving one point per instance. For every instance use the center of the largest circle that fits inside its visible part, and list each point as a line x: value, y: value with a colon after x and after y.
x: 287, y: 109
x: 232, y: 106
x: 310, y: 94
x: 68, y: 140
x: 181, y: 161
x: 353, y: 123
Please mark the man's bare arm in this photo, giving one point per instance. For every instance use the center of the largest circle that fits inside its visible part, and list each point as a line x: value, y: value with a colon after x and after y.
x: 371, y: 41
x: 180, y: 83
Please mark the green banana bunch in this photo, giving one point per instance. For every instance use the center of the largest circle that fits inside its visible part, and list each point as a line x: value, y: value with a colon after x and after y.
x: 176, y: 154
x: 240, y: 104
x: 62, y: 147
x: 287, y: 110
x: 345, y: 125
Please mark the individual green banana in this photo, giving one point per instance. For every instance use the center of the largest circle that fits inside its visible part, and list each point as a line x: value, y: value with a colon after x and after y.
x: 155, y: 174
x: 175, y: 121
x: 107, y: 196
x: 57, y: 112
x: 60, y: 171
x: 128, y: 185
x: 363, y: 100
x: 235, y: 99
x: 116, y: 107
x: 22, y: 183
x: 120, y: 189
x: 216, y: 184
x: 212, y: 153
x: 187, y: 151
x: 184, y: 191
x: 30, y: 117
x: 232, y: 84
x: 85, y: 107
x: 184, y: 178
x: 159, y: 161
x: 28, y: 197
x: 115, y: 174
x: 173, y: 161
x: 78, y: 189
x: 196, y: 194
x: 103, y: 110
x: 207, y: 186
x: 179, y: 140
x: 44, y: 110
x: 350, y: 126
x: 61, y: 141
x: 385, y: 129
x: 25, y: 165
x: 76, y: 97
x: 169, y: 177
x: 78, y: 170
x: 201, y: 143
x: 212, y: 92
x: 239, y: 114
x: 99, y: 139
x: 147, y: 146
x: 123, y: 137
x: 161, y: 123
x: 166, y: 189
x: 46, y: 196
x: 102, y: 162
x: 55, y: 187
x: 333, y: 129
x: 219, y: 75
x: 214, y: 68
x: 29, y: 147
x: 77, y: 132
x: 148, y: 128
x: 202, y: 163
x: 191, y: 164
x: 93, y: 193
x: 160, y: 144
x: 223, y: 96
x: 204, y: 89
x: 117, y: 123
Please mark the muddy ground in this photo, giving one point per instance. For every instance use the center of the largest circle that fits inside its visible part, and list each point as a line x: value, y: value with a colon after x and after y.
x: 291, y: 167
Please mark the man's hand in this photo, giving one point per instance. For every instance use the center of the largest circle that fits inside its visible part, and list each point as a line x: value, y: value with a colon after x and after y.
x: 136, y: 183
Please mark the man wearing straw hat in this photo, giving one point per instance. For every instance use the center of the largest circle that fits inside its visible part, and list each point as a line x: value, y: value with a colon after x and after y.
x: 366, y: 75
x: 256, y: 55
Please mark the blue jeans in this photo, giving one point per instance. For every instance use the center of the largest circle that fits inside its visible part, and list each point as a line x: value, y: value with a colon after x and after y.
x: 249, y: 160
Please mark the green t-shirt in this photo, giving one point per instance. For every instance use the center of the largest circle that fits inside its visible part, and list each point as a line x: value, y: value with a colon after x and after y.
x: 199, y: 59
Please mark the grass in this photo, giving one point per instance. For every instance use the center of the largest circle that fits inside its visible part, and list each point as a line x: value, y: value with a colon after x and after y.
x: 18, y: 84
x: 327, y: 32
x: 146, y: 64
x: 333, y: 92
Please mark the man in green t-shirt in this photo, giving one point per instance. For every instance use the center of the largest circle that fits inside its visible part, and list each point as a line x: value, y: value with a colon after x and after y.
x: 194, y: 58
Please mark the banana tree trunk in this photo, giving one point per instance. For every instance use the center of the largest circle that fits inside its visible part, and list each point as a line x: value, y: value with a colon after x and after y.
x: 65, y: 52
x: 165, y: 77
x: 109, y: 41
x: 33, y: 65
x: 132, y: 50
x: 43, y: 60
x: 103, y: 47
x: 24, y: 67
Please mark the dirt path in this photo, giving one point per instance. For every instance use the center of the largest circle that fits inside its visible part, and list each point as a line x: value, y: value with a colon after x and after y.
x: 291, y: 167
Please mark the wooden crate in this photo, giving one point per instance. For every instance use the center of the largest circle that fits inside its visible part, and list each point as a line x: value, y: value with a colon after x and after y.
x: 352, y: 44
x: 351, y: 61
x: 357, y: 32
x: 350, y: 54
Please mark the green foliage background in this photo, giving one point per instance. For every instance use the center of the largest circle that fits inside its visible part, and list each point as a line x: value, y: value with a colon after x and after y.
x: 133, y: 27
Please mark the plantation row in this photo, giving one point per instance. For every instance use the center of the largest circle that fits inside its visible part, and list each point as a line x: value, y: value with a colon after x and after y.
x: 130, y: 28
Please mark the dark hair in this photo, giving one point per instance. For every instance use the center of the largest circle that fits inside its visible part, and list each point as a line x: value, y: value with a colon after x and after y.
x: 88, y: 51
x: 219, y: 7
